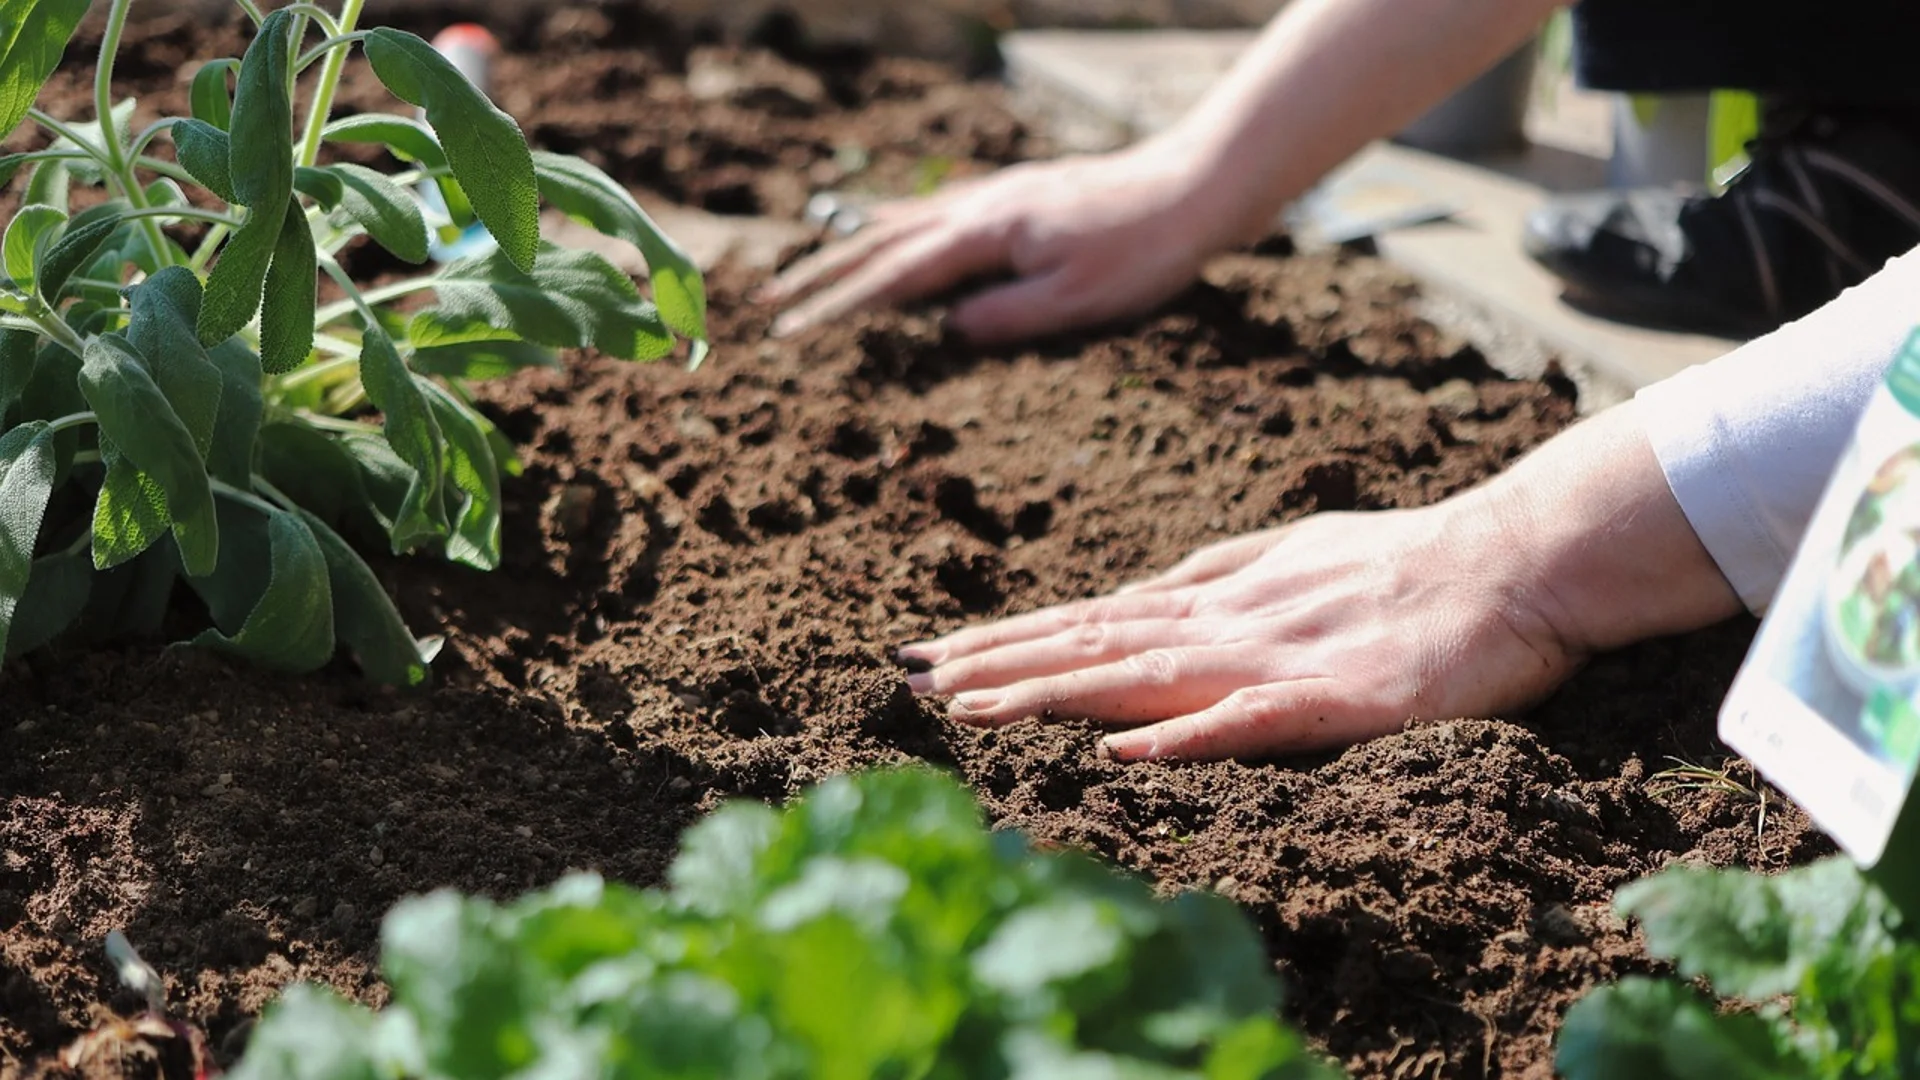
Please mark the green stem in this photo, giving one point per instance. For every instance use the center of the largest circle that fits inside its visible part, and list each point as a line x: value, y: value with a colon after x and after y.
x: 313, y: 373
x: 307, y: 58
x: 343, y: 308
x: 204, y: 252
x: 248, y: 498
x: 167, y: 169
x: 266, y: 488
x: 50, y: 324
x: 73, y: 420
x: 147, y: 135
x: 185, y: 213
x: 329, y: 83
x: 117, y: 162
x: 335, y: 423
x: 252, y: 10
x: 64, y: 131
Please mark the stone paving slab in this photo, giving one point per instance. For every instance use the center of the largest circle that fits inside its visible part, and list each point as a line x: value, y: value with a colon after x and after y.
x: 1102, y: 89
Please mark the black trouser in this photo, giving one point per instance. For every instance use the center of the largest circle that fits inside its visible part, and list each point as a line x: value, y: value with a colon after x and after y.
x: 1841, y: 52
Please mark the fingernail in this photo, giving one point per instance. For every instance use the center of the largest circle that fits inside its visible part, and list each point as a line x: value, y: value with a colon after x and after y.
x: 920, y: 682
x: 973, y: 704
x: 787, y: 325
x: 919, y: 658
x: 1122, y: 749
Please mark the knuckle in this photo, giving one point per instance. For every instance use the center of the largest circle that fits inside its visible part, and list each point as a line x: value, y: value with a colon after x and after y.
x: 1156, y: 667
x: 1090, y: 639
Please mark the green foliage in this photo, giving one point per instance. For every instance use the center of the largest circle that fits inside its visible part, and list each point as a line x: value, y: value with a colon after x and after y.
x: 873, y: 929
x: 1831, y: 972
x: 217, y: 425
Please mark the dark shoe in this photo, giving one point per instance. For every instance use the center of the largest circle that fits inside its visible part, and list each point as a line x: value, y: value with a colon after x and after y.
x: 1827, y: 199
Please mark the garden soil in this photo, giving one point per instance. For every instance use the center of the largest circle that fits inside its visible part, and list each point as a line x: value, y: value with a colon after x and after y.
x: 706, y: 574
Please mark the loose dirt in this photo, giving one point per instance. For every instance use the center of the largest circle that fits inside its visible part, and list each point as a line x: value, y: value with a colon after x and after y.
x: 707, y: 572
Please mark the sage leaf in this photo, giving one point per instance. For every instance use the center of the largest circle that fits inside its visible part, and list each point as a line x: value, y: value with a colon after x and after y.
x: 1653, y: 1029
x: 205, y: 151
x: 230, y: 457
x: 137, y: 418
x: 130, y: 512
x: 49, y: 184
x: 484, y: 147
x: 408, y: 139
x: 286, y: 312
x: 474, y: 539
x: 413, y: 434
x: 208, y: 97
x: 91, y: 139
x: 57, y: 594
x: 260, y: 169
x: 572, y: 299
x: 319, y: 185
x: 83, y: 236
x: 590, y: 196
x: 384, y: 209
x: 16, y: 367
x: 28, y: 235
x: 364, y: 617
x: 290, y: 627
x: 309, y: 1034
x: 33, y: 35
x: 26, y: 483
x: 165, y: 310
x: 480, y: 360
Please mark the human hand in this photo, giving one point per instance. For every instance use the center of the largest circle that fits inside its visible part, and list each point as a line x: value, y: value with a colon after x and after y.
x: 1334, y: 629
x: 1086, y: 238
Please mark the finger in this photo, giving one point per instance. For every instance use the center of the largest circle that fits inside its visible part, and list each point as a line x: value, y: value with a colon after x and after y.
x: 1045, y: 623
x: 836, y: 259
x: 1213, y: 561
x: 919, y: 264
x: 1256, y: 721
x: 1145, y: 686
x: 1087, y: 645
x: 1022, y: 309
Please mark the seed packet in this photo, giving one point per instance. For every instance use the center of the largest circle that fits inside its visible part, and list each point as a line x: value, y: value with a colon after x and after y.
x: 1827, y: 704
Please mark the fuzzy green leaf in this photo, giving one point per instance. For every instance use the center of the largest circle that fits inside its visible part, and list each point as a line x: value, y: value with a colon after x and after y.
x: 83, y: 237
x: 1751, y: 935
x: 91, y: 137
x: 364, y: 617
x: 56, y: 595
x: 205, y: 151
x: 260, y: 168
x: 309, y: 1034
x: 409, y: 139
x: 261, y: 146
x: 49, y: 184
x: 475, y: 536
x: 165, y: 309
x: 319, y: 185
x: 387, y: 211
x: 208, y: 97
x: 230, y: 457
x: 414, y: 436
x: 484, y: 147
x: 290, y: 627
x: 130, y: 512
x: 33, y: 34
x: 27, y: 470
x: 136, y: 417
x: 28, y: 236
x: 1653, y: 1029
x: 572, y: 299
x: 463, y: 984
x: 478, y: 360
x: 286, y: 312
x: 17, y: 348
x: 589, y: 195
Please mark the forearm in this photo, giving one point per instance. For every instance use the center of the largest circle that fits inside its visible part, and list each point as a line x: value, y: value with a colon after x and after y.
x: 1597, y: 533
x: 1324, y: 79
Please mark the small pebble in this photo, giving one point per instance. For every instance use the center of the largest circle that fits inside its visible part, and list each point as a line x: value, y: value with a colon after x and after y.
x: 376, y: 856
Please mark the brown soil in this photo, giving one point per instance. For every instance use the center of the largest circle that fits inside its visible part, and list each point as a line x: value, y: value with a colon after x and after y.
x: 706, y: 575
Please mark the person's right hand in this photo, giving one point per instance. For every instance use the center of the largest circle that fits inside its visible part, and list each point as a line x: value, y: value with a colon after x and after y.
x: 1087, y: 239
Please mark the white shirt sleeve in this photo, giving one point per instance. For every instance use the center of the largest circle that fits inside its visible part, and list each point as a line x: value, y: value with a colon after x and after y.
x: 1748, y: 441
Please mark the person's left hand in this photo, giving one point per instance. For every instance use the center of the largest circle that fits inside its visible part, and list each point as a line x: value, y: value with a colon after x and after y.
x: 1334, y: 629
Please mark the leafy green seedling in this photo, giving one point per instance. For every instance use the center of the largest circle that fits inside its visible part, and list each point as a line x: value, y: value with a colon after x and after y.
x: 873, y: 929
x: 175, y: 403
x: 1827, y: 969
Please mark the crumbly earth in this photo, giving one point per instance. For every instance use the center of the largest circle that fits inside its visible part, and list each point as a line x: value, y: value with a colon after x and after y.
x: 706, y: 573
